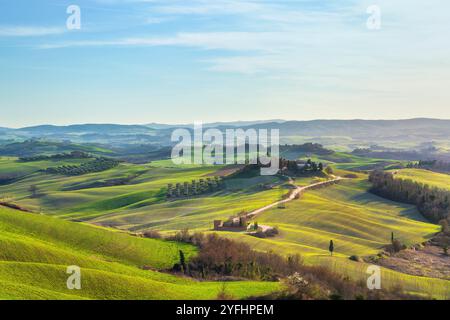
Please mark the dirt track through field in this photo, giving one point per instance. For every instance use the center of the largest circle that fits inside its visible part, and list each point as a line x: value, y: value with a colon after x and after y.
x: 298, y: 190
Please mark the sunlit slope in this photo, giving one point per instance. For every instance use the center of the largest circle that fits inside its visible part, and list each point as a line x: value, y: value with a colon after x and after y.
x: 430, y: 288
x: 433, y: 179
x: 141, y: 203
x: 358, y: 222
x: 62, y: 194
x: 37, y: 235
x: 36, y: 250
x: 12, y: 168
x: 423, y: 286
x: 349, y: 161
x: 198, y: 213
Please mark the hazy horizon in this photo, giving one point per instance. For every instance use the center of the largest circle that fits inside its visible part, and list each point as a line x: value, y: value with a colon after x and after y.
x: 215, y: 122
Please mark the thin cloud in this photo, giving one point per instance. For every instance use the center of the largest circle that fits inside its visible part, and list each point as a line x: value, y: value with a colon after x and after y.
x: 231, y: 41
x: 29, y: 31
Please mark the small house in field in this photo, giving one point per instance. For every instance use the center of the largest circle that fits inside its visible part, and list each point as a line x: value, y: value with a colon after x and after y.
x: 232, y: 224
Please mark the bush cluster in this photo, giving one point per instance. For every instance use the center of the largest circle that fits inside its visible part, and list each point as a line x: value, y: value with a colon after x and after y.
x: 195, y: 187
x: 59, y: 156
x: 225, y: 259
x: 97, y: 165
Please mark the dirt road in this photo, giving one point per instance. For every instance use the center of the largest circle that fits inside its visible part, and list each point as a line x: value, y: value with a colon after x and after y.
x: 298, y: 190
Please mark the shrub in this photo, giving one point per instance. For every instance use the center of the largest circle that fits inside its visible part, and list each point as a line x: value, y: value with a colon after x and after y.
x: 221, y: 258
x: 444, y: 225
x: 395, y: 247
x: 153, y: 234
x: 223, y: 295
x: 329, y: 170
x: 355, y: 258
x: 181, y: 236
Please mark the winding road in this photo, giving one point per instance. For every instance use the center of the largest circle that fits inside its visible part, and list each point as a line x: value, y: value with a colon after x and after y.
x: 298, y: 190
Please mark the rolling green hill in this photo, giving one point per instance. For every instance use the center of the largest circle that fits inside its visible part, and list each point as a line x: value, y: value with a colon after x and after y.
x: 141, y: 202
x: 12, y: 170
x: 433, y: 179
x: 35, y: 251
x: 44, y: 147
x: 358, y: 222
x: 342, y: 134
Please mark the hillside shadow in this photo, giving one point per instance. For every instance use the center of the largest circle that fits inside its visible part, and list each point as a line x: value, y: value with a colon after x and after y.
x: 371, y: 200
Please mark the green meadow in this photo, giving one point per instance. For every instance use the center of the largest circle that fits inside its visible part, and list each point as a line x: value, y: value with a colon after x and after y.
x: 433, y: 179
x: 141, y: 204
x: 348, y: 161
x: 18, y: 169
x: 35, y: 251
x: 359, y: 223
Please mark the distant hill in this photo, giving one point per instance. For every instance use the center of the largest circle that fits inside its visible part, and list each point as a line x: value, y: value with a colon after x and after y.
x: 35, y: 147
x: 215, y: 124
x: 85, y: 128
x: 350, y: 134
x: 431, y: 128
x: 351, y: 128
x: 242, y: 123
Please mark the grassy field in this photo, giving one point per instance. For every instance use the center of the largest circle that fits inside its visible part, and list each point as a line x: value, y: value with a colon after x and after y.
x: 348, y: 161
x: 195, y: 214
x: 433, y: 179
x: 358, y: 222
x: 35, y: 251
x: 141, y: 204
x: 10, y: 166
x: 344, y: 160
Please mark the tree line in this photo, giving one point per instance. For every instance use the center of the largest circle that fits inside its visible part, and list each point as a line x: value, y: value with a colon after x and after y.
x: 195, y: 187
x: 434, y: 165
x: 432, y: 202
x: 97, y: 165
x: 309, y: 167
x: 58, y: 156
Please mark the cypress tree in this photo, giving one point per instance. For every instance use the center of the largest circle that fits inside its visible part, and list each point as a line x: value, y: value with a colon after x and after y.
x: 331, y: 248
x: 182, y: 261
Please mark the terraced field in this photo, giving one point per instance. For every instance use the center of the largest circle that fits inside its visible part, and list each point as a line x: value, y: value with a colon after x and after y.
x: 35, y: 251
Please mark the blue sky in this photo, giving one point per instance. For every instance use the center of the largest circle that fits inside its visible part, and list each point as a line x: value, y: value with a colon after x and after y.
x: 141, y: 61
